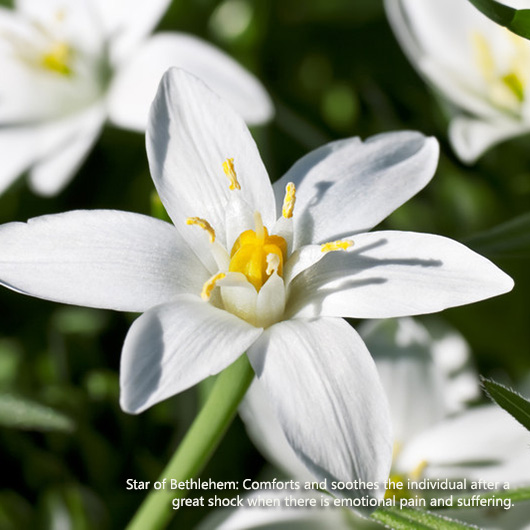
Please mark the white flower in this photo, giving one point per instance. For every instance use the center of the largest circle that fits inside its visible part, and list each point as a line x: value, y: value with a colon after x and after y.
x: 479, y: 66
x: 68, y: 65
x: 230, y: 277
x: 428, y: 382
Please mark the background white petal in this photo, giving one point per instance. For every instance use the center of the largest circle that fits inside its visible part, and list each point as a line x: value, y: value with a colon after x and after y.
x: 102, y: 258
x: 392, y: 273
x: 14, y: 142
x: 135, y: 85
x: 323, y: 386
x: 350, y: 186
x: 422, y: 388
x: 128, y: 22
x: 74, y: 138
x: 174, y: 346
x: 191, y: 133
x: 484, y: 442
x: 471, y: 137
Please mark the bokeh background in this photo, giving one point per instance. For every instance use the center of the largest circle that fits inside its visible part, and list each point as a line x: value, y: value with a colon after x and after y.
x: 333, y: 69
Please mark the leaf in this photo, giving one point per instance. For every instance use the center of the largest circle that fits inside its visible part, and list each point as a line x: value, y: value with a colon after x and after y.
x: 509, y: 400
x: 516, y: 495
x: 411, y: 519
x: 516, y: 20
x: 21, y: 413
x: 507, y: 240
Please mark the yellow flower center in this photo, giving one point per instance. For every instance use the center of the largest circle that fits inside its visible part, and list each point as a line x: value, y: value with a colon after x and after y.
x: 257, y: 255
x: 58, y: 59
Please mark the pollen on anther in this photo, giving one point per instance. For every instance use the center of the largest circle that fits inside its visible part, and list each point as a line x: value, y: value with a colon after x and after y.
x: 332, y: 246
x: 202, y: 223
x: 230, y: 172
x: 209, y: 285
x: 289, y: 200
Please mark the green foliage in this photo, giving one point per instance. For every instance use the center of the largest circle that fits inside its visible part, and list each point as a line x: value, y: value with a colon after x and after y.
x: 516, y: 20
x: 412, y: 519
x: 507, y: 240
x: 20, y: 413
x: 509, y: 400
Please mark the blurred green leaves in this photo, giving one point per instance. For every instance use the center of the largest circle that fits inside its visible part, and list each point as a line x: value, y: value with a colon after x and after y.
x: 507, y: 240
x: 509, y: 400
x: 411, y: 519
x: 21, y: 413
x: 516, y: 20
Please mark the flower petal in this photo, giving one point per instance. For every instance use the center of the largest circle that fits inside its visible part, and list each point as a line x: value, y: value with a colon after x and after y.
x: 389, y: 274
x: 470, y: 138
x: 322, y: 383
x: 266, y: 433
x: 128, y: 22
x: 135, y: 85
x: 191, y: 133
x: 350, y: 186
x: 484, y: 442
x: 16, y: 159
x: 103, y: 258
x: 75, y: 136
x: 413, y: 372
x: 174, y: 346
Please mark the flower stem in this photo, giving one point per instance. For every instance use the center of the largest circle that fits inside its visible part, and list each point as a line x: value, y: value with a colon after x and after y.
x: 198, y: 444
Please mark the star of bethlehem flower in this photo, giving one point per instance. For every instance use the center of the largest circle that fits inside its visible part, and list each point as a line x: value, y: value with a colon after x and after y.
x: 266, y: 270
x: 477, y: 65
x: 429, y: 381
x: 69, y: 65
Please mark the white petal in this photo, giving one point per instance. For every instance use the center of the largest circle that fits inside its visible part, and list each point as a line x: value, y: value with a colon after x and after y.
x: 413, y: 377
x: 74, y: 21
x: 389, y: 274
x: 103, y: 258
x: 470, y: 137
x: 135, y: 85
x: 128, y: 22
x: 480, y: 442
x: 323, y: 385
x: 75, y: 137
x: 270, y: 304
x: 266, y: 433
x: 16, y: 157
x: 350, y: 186
x: 190, y: 134
x: 174, y: 346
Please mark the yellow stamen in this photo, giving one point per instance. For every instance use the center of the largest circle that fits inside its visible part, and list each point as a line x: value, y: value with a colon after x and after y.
x: 332, y: 246
x: 209, y: 286
x: 202, y: 223
x: 289, y: 200
x: 228, y: 168
x: 58, y: 59
x: 251, y: 256
x: 273, y: 263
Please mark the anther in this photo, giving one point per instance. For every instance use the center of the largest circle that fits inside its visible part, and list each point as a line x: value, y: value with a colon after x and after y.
x: 209, y: 286
x: 289, y: 200
x: 228, y: 168
x: 332, y: 246
x: 273, y: 263
x: 202, y: 223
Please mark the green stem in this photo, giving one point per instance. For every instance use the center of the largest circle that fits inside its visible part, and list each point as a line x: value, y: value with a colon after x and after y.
x: 198, y: 444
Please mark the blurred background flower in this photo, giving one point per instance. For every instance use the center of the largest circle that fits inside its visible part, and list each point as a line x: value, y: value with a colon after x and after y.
x: 481, y: 68
x: 70, y: 65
